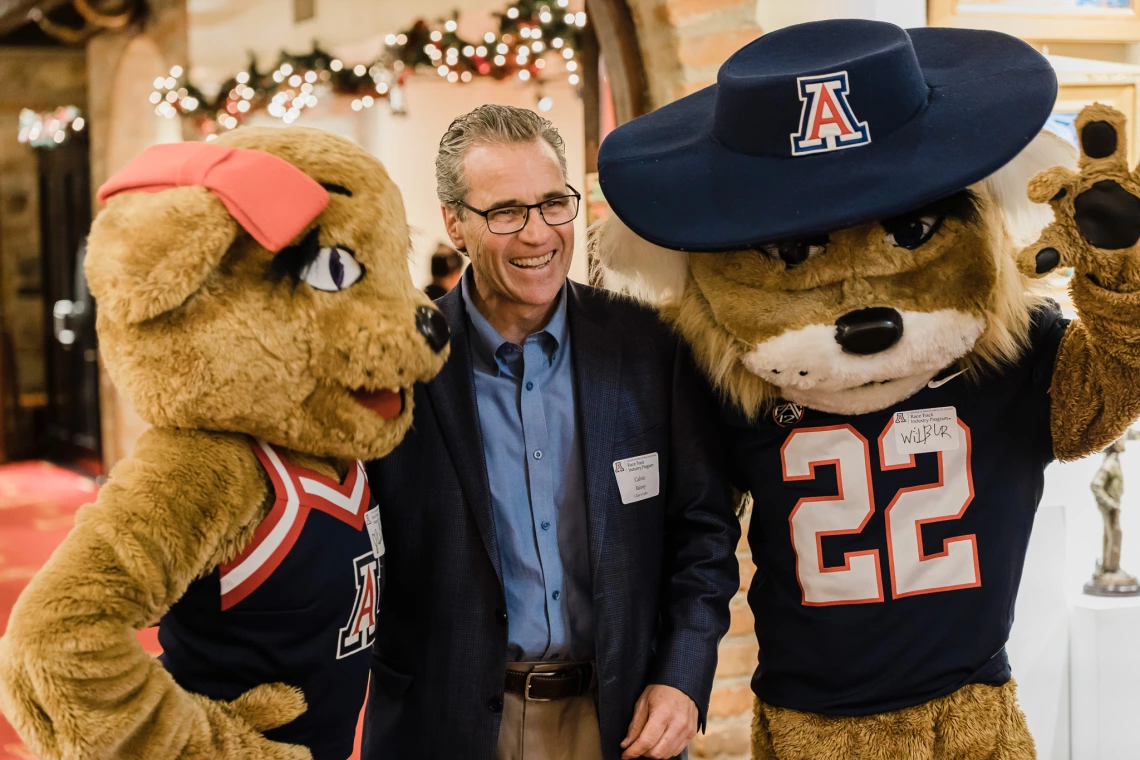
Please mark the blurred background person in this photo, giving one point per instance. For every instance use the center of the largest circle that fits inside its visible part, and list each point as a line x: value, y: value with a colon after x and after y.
x: 446, y: 268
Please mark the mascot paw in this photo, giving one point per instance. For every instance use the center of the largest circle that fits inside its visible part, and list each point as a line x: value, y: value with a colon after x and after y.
x: 1096, y: 212
x: 269, y: 706
x: 236, y: 727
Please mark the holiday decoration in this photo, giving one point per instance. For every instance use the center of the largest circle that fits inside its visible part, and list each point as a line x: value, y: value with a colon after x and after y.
x: 47, y: 130
x: 533, y: 35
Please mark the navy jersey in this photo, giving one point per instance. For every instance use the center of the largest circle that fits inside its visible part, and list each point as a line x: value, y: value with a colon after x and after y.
x: 297, y: 606
x: 889, y: 546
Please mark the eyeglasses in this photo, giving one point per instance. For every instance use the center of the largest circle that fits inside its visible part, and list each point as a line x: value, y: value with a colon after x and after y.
x: 507, y: 220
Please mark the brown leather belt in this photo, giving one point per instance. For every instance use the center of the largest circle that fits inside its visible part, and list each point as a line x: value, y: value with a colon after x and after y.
x: 572, y: 681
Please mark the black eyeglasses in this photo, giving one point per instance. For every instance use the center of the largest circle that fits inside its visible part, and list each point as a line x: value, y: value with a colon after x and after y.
x: 507, y: 220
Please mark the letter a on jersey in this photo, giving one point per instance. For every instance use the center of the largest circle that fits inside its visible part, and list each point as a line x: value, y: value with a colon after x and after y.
x: 827, y: 122
x: 361, y: 628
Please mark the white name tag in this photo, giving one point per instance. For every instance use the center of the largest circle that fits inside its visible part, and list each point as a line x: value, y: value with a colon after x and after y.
x: 375, y: 535
x: 922, y: 431
x: 638, y: 477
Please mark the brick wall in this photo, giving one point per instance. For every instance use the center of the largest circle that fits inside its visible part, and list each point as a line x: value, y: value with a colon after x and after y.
x: 684, y: 43
x: 729, y: 726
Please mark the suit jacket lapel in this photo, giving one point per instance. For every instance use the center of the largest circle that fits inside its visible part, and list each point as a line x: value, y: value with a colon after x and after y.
x: 597, y: 371
x: 453, y: 394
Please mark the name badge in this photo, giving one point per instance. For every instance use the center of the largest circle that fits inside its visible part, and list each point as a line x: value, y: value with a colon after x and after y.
x: 375, y: 535
x: 638, y: 477
x: 922, y: 431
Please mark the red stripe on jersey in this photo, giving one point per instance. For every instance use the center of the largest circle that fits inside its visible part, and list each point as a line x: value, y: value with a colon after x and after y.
x: 273, y: 539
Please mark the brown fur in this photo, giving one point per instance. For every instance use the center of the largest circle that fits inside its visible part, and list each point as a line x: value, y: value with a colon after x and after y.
x: 210, y: 350
x: 1095, y: 390
x: 976, y: 722
x: 726, y: 304
x: 962, y: 268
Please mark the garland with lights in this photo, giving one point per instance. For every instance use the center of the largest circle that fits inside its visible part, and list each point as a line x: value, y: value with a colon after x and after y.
x: 531, y: 34
x: 47, y: 130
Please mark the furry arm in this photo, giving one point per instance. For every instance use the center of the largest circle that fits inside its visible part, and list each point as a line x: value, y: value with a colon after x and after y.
x: 1096, y: 379
x: 74, y: 681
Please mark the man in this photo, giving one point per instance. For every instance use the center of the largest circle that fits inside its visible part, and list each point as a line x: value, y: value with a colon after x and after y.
x: 446, y: 269
x: 560, y: 535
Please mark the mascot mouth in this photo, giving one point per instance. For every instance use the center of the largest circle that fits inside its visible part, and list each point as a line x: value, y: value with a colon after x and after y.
x: 388, y: 404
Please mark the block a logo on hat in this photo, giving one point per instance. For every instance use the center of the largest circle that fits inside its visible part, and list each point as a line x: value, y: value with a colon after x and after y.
x: 827, y: 122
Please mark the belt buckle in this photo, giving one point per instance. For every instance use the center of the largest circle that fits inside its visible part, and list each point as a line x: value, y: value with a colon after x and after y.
x: 526, y: 689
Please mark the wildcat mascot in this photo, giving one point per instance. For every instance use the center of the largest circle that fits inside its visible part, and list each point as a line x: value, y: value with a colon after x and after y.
x: 255, y: 307
x: 835, y: 227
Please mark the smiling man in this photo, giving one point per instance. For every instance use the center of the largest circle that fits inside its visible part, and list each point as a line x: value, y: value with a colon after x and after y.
x: 561, y: 540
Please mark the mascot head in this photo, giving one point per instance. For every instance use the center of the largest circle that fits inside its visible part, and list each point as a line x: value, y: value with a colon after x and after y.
x: 259, y: 284
x: 836, y: 221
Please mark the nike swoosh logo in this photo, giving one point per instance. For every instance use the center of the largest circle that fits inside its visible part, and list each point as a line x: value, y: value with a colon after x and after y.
x: 939, y: 383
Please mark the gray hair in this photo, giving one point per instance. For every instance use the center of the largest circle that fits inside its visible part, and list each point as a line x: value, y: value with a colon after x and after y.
x: 487, y: 125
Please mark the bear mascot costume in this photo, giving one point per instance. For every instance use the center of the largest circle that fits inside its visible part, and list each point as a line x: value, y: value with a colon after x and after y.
x: 838, y: 228
x: 255, y: 307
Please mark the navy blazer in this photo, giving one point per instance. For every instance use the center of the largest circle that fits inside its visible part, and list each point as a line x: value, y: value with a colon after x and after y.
x: 663, y: 569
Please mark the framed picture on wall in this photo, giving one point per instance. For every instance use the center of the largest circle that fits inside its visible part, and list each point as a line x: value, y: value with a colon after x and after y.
x: 1055, y: 20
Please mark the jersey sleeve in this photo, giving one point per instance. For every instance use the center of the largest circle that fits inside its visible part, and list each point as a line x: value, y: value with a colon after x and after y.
x: 1046, y: 332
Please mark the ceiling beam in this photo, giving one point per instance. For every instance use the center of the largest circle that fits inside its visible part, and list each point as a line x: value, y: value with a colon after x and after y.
x: 14, y: 13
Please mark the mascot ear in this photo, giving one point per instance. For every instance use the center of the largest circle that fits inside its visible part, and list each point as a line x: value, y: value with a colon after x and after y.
x: 148, y: 252
x: 630, y: 264
x: 1009, y: 185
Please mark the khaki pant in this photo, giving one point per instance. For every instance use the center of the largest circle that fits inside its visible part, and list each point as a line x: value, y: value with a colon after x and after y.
x: 562, y: 729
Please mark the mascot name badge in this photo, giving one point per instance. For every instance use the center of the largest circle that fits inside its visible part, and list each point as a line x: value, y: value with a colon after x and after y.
x: 922, y: 431
x: 638, y: 477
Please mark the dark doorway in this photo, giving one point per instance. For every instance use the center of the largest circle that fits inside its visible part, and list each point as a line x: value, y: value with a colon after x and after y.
x: 70, y: 428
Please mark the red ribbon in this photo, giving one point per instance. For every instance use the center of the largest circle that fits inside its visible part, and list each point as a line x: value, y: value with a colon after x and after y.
x: 272, y: 199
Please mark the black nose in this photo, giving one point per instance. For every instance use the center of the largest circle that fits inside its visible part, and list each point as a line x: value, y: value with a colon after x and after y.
x: 869, y: 331
x: 433, y: 327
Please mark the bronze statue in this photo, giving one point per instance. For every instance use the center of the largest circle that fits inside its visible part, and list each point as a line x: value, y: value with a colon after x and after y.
x: 1108, y: 486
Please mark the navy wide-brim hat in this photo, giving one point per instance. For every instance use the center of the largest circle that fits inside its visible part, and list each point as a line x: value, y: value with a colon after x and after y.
x: 822, y: 126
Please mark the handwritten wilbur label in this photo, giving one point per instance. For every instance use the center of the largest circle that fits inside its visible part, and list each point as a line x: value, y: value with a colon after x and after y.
x: 638, y: 477
x: 921, y: 431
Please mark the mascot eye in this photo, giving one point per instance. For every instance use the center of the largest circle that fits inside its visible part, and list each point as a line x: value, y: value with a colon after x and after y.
x: 333, y: 269
x: 912, y: 230
x: 795, y: 252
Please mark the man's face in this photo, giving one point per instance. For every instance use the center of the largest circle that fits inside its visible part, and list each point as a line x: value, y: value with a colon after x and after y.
x: 529, y: 266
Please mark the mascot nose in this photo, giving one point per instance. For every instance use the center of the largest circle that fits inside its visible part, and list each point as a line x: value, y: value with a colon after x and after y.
x: 433, y: 326
x: 869, y: 331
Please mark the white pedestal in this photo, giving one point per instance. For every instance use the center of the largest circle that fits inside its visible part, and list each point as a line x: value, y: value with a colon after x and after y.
x: 1105, y: 678
x: 1039, y: 642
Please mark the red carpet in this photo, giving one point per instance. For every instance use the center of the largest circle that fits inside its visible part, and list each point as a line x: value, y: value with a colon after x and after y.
x: 37, y: 508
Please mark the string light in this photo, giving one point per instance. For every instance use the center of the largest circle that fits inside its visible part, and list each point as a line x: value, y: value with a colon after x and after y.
x: 48, y: 130
x: 529, y: 32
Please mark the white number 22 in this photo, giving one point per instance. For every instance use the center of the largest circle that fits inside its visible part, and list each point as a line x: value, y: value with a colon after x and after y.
x: 859, y: 579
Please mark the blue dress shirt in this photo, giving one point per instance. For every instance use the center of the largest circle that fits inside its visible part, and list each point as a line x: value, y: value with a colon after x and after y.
x: 533, y: 447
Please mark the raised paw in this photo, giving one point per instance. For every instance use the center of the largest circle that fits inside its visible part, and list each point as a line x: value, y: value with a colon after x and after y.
x: 1096, y: 210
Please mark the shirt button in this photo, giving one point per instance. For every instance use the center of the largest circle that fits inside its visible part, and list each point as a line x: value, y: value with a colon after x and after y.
x: 556, y: 594
x: 530, y: 386
x: 538, y: 455
x: 501, y: 616
x: 546, y: 525
x: 495, y: 704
